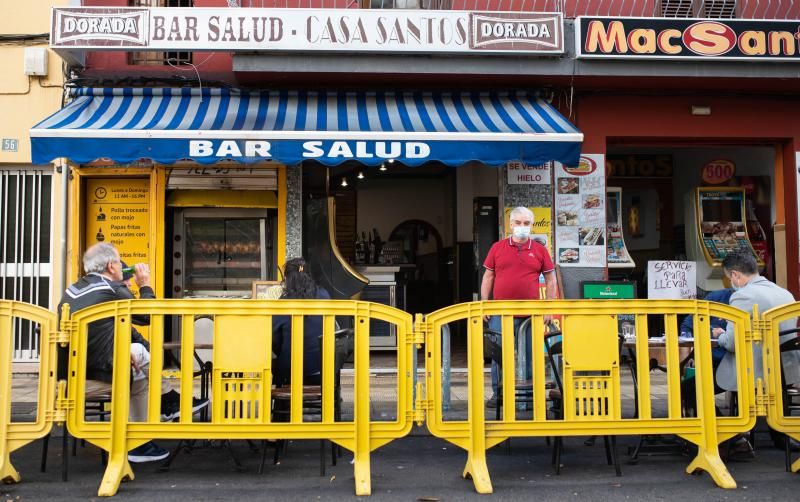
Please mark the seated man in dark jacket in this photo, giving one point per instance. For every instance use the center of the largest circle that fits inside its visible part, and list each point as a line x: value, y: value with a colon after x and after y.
x: 718, y: 325
x: 103, y: 283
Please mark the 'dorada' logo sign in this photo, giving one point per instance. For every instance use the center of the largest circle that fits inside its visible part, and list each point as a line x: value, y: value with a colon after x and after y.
x: 688, y: 39
x: 120, y: 28
x: 307, y: 30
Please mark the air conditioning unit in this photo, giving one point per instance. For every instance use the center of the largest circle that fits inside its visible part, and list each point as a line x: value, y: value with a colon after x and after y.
x: 36, y: 61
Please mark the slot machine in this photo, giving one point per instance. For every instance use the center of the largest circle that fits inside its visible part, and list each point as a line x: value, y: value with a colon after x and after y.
x: 618, y: 256
x: 716, y: 225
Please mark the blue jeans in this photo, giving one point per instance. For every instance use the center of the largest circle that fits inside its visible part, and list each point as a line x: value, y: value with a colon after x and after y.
x: 495, y: 324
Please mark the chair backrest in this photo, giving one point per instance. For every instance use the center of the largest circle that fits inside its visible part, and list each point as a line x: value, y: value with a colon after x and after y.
x: 788, y: 346
x: 553, y: 348
x: 491, y: 348
x: 203, y: 333
x: 343, y: 349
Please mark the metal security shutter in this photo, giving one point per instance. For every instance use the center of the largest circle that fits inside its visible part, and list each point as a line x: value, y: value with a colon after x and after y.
x: 25, y: 248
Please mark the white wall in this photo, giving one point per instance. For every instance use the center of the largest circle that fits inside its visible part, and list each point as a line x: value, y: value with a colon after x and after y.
x: 385, y: 203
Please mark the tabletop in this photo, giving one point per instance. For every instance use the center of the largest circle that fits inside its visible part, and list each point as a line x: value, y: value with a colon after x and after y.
x: 682, y: 342
x: 177, y: 345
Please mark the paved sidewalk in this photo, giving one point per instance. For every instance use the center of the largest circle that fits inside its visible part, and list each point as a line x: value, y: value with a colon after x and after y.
x: 415, y: 468
x: 418, y: 467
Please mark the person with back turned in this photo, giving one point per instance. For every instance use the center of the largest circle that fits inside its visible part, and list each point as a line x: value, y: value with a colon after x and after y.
x: 297, y: 285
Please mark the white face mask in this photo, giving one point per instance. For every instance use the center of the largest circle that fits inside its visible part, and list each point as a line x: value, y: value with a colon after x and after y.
x: 521, y: 232
x: 736, y: 287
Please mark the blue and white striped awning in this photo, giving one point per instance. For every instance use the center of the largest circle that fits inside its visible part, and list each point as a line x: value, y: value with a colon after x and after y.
x: 208, y: 125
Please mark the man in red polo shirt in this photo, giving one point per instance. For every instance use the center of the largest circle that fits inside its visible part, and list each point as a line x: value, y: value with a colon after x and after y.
x: 513, y: 266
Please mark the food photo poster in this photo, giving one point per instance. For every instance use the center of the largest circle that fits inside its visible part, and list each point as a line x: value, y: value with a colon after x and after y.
x: 580, y: 213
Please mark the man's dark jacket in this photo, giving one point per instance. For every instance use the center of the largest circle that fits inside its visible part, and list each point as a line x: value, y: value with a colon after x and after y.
x: 94, y: 289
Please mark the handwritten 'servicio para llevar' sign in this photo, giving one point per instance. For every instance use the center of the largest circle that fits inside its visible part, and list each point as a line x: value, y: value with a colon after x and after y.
x: 671, y: 280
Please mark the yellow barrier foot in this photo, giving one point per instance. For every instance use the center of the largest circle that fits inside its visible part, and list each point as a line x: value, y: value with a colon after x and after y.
x: 477, y: 470
x: 796, y: 465
x: 7, y: 472
x: 712, y: 464
x: 361, y: 470
x: 118, y: 470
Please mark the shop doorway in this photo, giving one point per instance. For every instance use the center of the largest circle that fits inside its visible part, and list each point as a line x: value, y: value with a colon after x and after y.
x: 658, y: 191
x: 394, y: 220
x: 421, y: 245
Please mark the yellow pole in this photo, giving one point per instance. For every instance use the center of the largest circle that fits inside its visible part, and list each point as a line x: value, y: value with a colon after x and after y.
x: 476, y: 452
x: 7, y: 471
x: 361, y: 452
x: 118, y: 468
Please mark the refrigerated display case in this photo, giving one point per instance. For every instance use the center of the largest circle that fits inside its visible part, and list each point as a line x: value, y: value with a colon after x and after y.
x: 220, y: 252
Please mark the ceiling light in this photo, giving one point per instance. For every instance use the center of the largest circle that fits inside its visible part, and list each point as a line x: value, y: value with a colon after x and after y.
x: 391, y: 161
x: 383, y: 167
x: 344, y: 182
x: 701, y: 110
x: 360, y: 175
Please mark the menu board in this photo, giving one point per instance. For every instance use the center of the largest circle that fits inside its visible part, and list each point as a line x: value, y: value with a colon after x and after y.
x: 722, y: 223
x: 580, y: 213
x: 118, y: 212
x: 671, y: 280
x: 541, y: 227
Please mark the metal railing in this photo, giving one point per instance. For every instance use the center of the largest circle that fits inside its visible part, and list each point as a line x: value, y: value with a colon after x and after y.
x: 25, y: 248
x: 738, y: 9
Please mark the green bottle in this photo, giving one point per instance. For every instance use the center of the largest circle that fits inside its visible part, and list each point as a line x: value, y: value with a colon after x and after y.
x: 129, y: 270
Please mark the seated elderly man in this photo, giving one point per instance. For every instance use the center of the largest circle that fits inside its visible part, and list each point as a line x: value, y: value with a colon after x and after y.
x: 102, y: 283
x: 751, y: 289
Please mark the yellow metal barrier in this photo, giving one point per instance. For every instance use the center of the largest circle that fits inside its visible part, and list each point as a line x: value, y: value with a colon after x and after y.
x: 14, y: 435
x: 770, y: 324
x: 591, y: 365
x: 240, y: 405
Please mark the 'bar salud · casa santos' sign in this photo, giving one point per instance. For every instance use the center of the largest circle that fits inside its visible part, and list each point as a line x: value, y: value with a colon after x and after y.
x: 687, y: 39
x: 307, y: 30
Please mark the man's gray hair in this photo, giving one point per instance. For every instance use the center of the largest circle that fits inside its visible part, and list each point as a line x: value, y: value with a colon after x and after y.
x: 522, y: 211
x: 97, y: 257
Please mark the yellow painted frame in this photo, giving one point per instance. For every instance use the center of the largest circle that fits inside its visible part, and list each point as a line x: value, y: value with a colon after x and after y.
x: 223, y: 198
x: 76, y: 208
x: 158, y: 203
